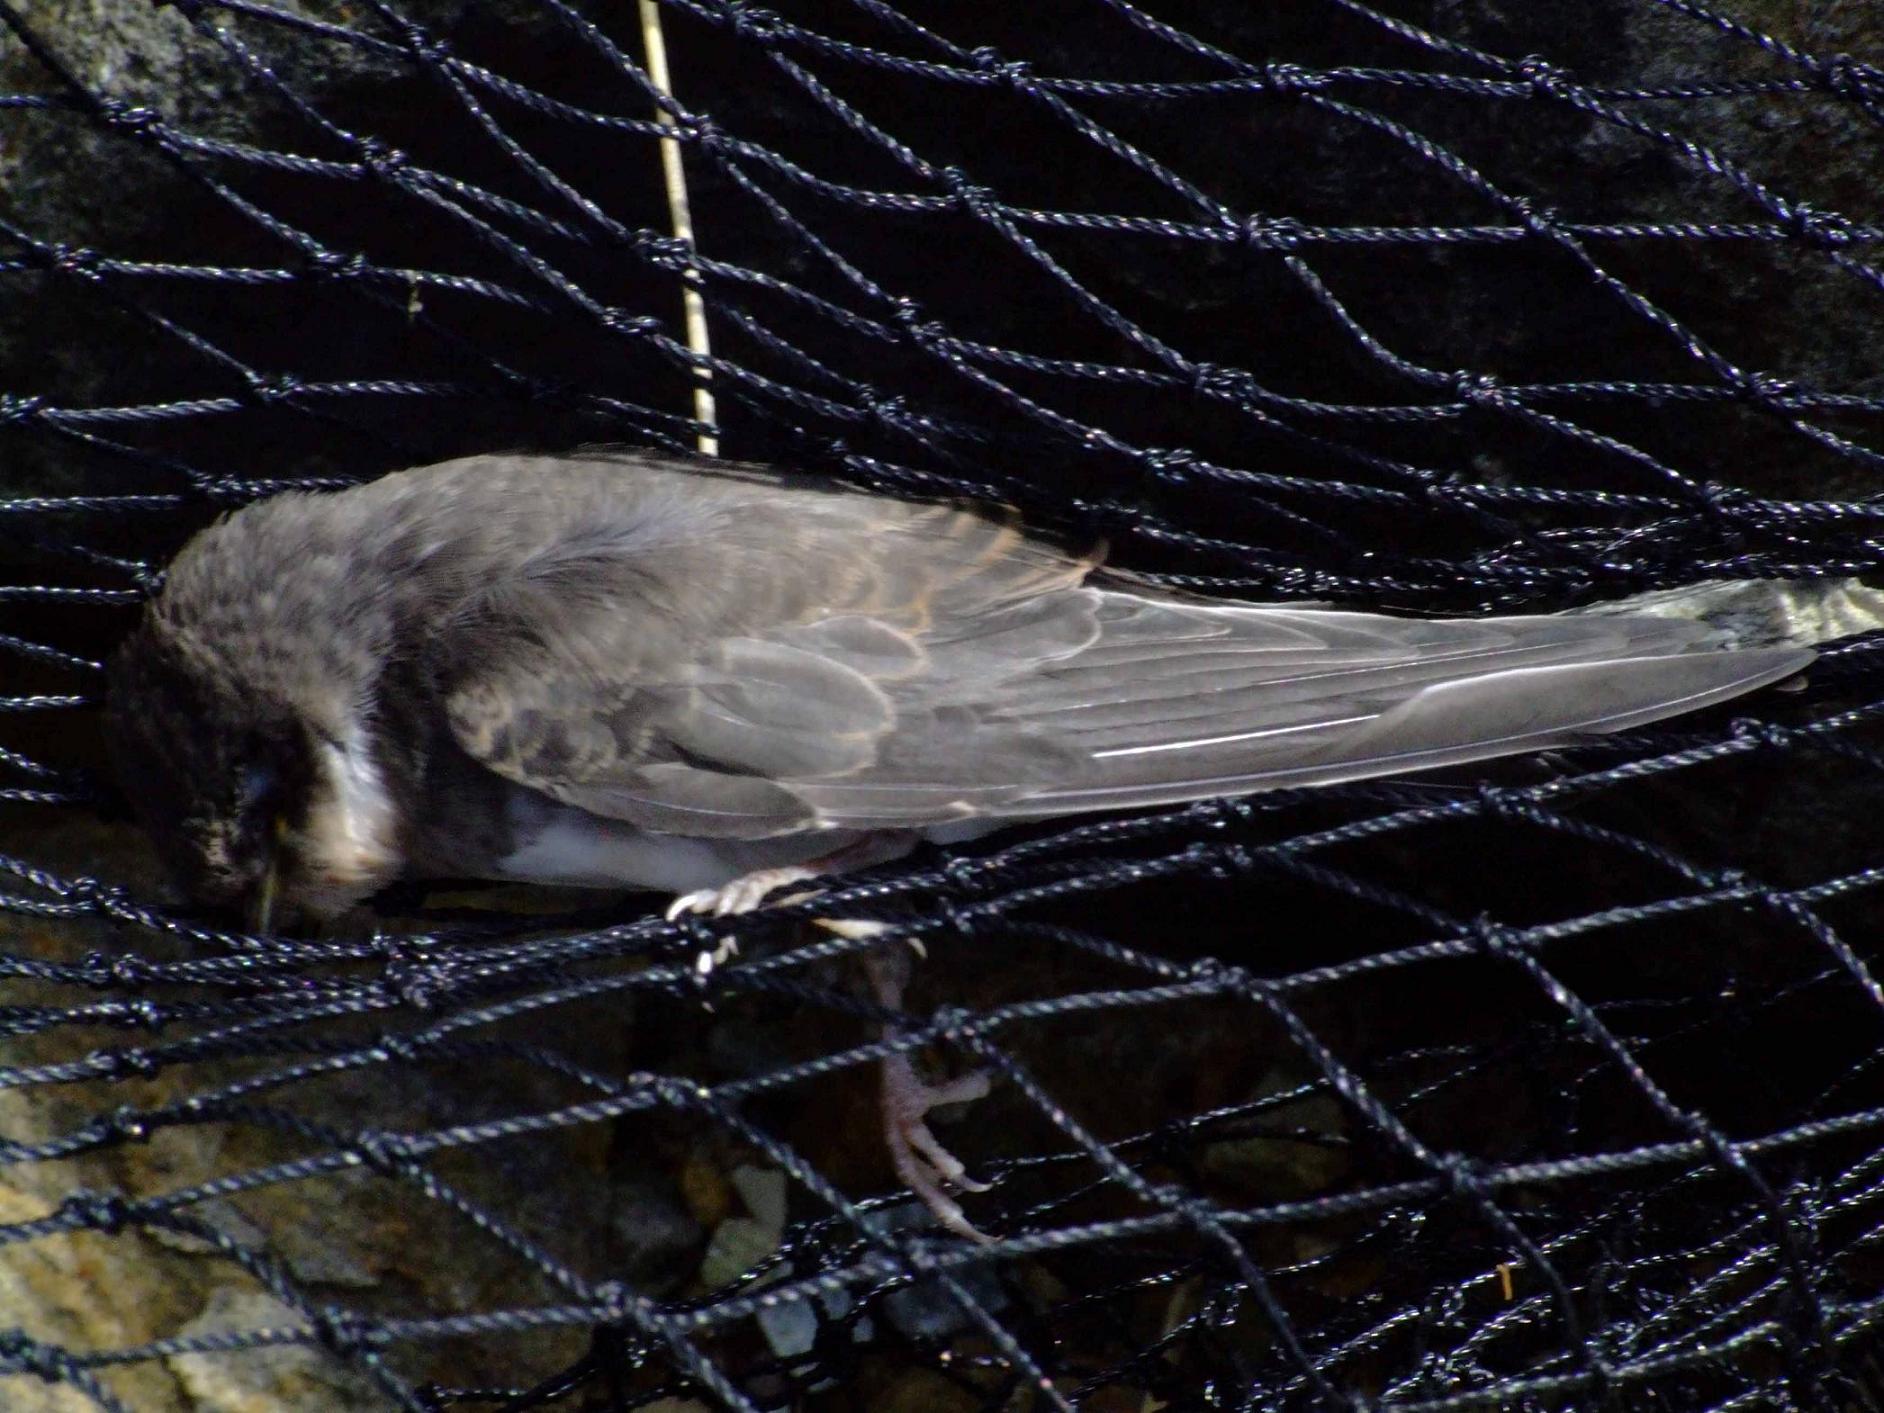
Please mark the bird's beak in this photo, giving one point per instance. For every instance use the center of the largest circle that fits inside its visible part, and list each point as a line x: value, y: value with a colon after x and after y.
x: 262, y: 906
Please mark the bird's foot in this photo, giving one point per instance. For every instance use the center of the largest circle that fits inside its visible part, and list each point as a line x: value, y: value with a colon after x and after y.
x: 743, y: 895
x: 749, y: 891
x: 926, y: 1167
x: 921, y: 1160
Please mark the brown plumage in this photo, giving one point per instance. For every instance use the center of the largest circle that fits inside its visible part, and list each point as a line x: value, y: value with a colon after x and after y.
x: 613, y: 668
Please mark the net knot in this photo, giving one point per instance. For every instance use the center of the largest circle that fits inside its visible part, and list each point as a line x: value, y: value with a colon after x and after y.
x: 960, y: 902
x: 1273, y: 232
x: 1169, y: 466
x: 1226, y: 976
x: 697, y: 127
x: 382, y: 159
x: 334, y: 265
x: 401, y: 1047
x: 1221, y: 814
x: 1765, y: 733
x: 952, y: 1022
x: 621, y: 321
x: 992, y: 62
x: 427, y: 46
x: 1465, y: 1177
x: 888, y: 410
x: 106, y: 1212
x: 416, y: 984
x: 1292, y: 78
x: 27, y: 1355
x: 114, y: 968
x: 1728, y: 502
x: 415, y: 973
x: 126, y: 1124
x: 1851, y: 77
x: 908, y: 313
x: 1230, y: 860
x: 1181, y: 1202
x: 73, y: 260
x: 97, y: 897
x: 964, y: 873
x: 1544, y: 76
x: 1501, y: 804
x: 1534, y: 215
x: 1480, y: 389
x: 388, y: 1154
x: 661, y: 249
x: 138, y: 1013
x: 967, y: 193
x: 15, y: 408
x: 115, y: 1064
x: 269, y: 388
x: 342, y: 1331
x: 1826, y: 229
x: 1494, y: 938
x: 1215, y: 380
x: 701, y: 936
x: 753, y: 21
x: 614, y: 1301
x: 1767, y: 387
x: 130, y: 117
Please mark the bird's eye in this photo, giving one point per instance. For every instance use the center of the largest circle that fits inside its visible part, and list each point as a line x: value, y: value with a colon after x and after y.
x: 256, y: 789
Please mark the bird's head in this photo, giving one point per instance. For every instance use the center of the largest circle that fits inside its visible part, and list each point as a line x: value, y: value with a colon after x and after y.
x: 257, y: 803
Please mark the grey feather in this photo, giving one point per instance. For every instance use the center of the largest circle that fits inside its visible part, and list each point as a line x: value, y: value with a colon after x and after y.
x: 882, y: 664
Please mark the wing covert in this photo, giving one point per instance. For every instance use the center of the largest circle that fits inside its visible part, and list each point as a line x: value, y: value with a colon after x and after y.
x: 746, y: 655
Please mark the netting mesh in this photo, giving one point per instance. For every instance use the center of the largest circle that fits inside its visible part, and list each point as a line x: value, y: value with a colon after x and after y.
x: 1551, y: 1085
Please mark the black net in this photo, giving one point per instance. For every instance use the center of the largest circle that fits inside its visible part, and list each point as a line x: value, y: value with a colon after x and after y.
x: 1552, y: 1084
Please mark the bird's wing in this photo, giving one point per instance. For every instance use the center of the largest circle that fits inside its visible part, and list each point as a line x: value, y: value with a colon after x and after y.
x: 775, y: 659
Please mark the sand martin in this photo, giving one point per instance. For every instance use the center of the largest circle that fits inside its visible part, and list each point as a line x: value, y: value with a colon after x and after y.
x: 618, y: 670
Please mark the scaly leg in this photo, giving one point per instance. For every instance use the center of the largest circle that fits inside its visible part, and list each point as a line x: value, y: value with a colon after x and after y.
x: 919, y: 1157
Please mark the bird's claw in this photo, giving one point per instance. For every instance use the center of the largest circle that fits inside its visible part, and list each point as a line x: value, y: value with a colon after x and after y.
x: 743, y: 895
x: 860, y: 929
x: 927, y: 1167
x: 704, y: 962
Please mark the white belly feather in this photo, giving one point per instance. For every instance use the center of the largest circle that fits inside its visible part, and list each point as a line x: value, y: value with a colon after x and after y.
x: 557, y: 844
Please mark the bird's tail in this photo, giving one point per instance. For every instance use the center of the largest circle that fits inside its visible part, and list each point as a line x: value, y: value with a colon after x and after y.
x: 1762, y: 613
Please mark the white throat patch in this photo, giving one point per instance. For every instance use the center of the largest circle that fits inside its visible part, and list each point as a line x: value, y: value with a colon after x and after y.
x: 349, y: 844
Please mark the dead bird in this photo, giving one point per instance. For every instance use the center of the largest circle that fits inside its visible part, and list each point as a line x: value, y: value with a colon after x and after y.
x: 616, y: 670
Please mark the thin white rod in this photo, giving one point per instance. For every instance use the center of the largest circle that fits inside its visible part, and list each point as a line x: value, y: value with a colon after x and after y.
x: 674, y: 173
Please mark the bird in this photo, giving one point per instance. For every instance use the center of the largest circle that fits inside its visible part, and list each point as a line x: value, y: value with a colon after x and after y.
x: 624, y: 670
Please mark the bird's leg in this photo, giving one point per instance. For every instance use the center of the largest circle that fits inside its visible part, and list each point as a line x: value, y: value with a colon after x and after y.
x: 750, y: 890
x: 926, y: 1167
